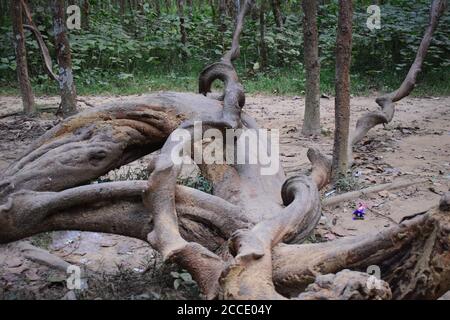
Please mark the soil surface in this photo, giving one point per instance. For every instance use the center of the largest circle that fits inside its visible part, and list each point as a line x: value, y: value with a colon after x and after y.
x: 414, y: 146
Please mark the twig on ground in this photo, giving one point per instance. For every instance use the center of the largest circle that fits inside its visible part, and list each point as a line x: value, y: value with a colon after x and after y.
x: 356, y: 194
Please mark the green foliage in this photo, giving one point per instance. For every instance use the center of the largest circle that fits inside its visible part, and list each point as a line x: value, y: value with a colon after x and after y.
x: 42, y: 240
x: 347, y: 183
x: 141, y: 51
x: 184, y: 279
x: 199, y: 183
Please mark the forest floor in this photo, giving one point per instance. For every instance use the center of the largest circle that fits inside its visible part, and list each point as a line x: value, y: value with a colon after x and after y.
x: 415, y: 145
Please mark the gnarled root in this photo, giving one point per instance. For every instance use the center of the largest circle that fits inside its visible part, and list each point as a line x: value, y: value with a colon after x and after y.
x: 347, y: 285
x: 413, y: 258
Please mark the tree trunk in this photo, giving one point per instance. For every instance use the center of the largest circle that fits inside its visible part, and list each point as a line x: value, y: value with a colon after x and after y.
x: 68, y: 104
x: 21, y: 58
x: 183, y: 33
x: 262, y: 32
x: 311, y: 121
x: 190, y: 7
x: 213, y: 10
x: 168, y: 5
x: 122, y: 8
x: 157, y: 7
x: 85, y: 17
x: 276, y: 8
x: 222, y: 24
x: 387, y: 101
x: 222, y: 9
x: 342, y: 100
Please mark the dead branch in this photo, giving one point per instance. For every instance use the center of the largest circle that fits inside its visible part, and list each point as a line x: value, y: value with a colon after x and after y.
x: 359, y: 193
x: 41, y: 43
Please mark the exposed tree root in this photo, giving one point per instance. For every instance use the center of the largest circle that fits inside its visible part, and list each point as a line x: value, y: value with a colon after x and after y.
x: 346, y: 285
x: 381, y: 187
x: 413, y: 258
x: 235, y: 242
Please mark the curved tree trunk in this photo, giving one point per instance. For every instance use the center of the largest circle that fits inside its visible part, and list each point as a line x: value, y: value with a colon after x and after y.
x: 387, y: 102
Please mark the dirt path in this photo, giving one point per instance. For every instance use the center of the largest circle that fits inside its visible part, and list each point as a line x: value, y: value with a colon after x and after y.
x: 416, y: 144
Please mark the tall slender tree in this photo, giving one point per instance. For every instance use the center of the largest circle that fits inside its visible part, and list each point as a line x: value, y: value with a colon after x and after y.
x: 278, y: 17
x: 64, y: 58
x: 122, y: 8
x: 180, y: 7
x: 222, y: 8
x: 21, y: 58
x: 276, y: 8
x: 342, y: 100
x: 85, y: 17
x: 157, y: 7
x: 262, y: 34
x: 311, y: 122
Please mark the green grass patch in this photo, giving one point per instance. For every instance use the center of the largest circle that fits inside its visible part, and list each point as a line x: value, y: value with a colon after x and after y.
x: 279, y: 82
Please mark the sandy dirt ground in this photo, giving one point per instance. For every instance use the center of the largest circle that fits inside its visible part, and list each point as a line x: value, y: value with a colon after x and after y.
x: 415, y: 145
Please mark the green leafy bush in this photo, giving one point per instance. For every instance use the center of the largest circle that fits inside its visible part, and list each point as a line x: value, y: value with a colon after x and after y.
x: 140, y: 51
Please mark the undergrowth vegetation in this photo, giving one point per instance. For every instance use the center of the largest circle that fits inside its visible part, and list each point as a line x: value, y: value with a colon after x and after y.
x: 140, y: 51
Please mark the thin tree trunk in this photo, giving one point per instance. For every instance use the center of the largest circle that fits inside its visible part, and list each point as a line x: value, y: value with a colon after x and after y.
x: 66, y: 81
x: 168, y: 5
x: 222, y: 24
x: 85, y: 18
x: 213, y: 10
x: 342, y: 101
x: 157, y: 7
x: 237, y: 7
x: 21, y: 58
x: 222, y: 11
x: 276, y: 8
x: 311, y: 122
x: 190, y: 7
x: 122, y: 8
x: 262, y: 31
x: 180, y: 7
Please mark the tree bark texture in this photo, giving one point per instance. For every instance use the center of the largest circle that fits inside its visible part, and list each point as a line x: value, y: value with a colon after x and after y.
x: 21, y: 58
